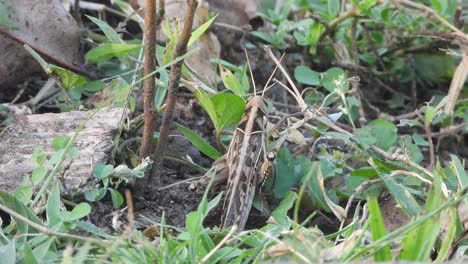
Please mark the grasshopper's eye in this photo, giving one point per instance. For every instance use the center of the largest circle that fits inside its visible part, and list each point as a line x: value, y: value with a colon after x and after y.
x: 271, y: 156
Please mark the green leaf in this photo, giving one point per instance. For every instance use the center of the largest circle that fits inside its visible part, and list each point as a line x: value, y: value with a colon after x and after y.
x: 333, y: 7
x: 28, y: 256
x: 8, y: 251
x: 307, y: 76
x: 280, y: 214
x: 110, y: 33
x: 419, y: 140
x: 365, y: 136
x: 229, y: 108
x: 79, y: 211
x: 419, y: 243
x: 69, y: 79
x: 53, y: 207
x: 402, y: 196
x: 106, y: 51
x: 117, y: 198
x: 335, y: 79
x: 40, y: 251
x: 200, y: 30
x: 385, y: 133
x: 95, y: 194
x: 60, y: 142
x: 459, y: 171
x: 230, y: 81
x: 38, y: 175
x: 39, y: 156
x: 24, y: 194
x: 13, y: 203
x: 206, y: 103
x: 102, y: 171
x: 378, y: 230
x: 119, y: 90
x: 437, y: 5
x: 199, y: 142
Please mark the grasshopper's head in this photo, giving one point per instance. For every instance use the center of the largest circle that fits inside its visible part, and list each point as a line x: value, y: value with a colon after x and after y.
x: 257, y: 101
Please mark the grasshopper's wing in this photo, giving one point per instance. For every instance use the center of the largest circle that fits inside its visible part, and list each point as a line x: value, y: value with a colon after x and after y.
x: 241, y: 182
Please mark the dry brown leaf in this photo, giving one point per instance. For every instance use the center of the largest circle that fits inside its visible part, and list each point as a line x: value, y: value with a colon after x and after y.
x: 458, y: 81
x: 240, y: 13
x: 44, y: 25
x: 206, y: 47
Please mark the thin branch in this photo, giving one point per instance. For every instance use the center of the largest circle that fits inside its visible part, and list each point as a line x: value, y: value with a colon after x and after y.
x: 173, y: 87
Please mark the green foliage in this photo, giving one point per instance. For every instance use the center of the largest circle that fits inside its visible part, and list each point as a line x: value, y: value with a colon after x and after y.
x: 349, y: 172
x: 378, y: 230
x: 106, y: 51
x: 199, y: 142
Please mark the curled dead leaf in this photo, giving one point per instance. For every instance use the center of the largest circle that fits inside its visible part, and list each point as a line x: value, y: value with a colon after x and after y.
x: 45, y: 26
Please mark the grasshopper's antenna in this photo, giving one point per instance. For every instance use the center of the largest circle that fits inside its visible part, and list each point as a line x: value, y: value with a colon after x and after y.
x: 272, y: 74
x: 251, y: 74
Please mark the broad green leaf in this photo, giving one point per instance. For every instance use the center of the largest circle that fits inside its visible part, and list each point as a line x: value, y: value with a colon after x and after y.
x: 307, y: 76
x: 69, y: 79
x: 385, y: 133
x: 53, y: 207
x: 419, y: 140
x: 200, y: 30
x: 437, y: 5
x: 280, y: 214
x: 285, y: 177
x: 378, y: 230
x: 106, y: 51
x: 429, y: 114
x: 230, y: 81
x: 27, y: 254
x: 333, y: 7
x: 199, y: 142
x: 24, y: 193
x: 229, y: 108
x: 102, y: 171
x: 11, y: 202
x: 208, y: 106
x: 79, y: 211
x: 110, y: 33
x: 60, y: 142
x: 117, y: 198
x: 119, y: 90
x: 7, y: 250
x: 365, y: 136
x: 335, y: 79
x: 402, y: 196
x: 364, y: 4
x: 39, y: 156
x: 40, y: 251
x: 95, y: 194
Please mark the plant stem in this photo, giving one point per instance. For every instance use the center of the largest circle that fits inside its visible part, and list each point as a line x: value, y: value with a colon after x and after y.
x: 149, y: 84
x: 173, y: 87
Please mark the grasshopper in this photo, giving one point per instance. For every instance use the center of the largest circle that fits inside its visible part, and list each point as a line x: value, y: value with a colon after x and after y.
x: 243, y: 158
